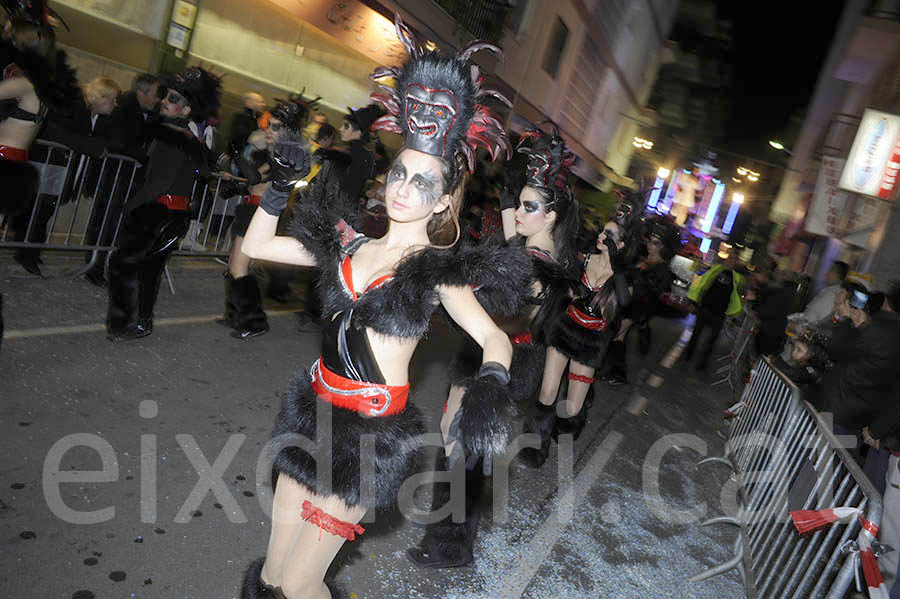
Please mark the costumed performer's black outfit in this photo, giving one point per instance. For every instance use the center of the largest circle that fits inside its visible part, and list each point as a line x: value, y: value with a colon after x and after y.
x: 56, y: 88
x: 648, y: 283
x: 243, y: 301
x: 158, y: 215
x: 346, y: 381
x: 447, y: 543
x: 582, y: 331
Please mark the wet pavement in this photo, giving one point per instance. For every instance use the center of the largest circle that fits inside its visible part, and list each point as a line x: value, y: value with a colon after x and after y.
x: 154, y: 412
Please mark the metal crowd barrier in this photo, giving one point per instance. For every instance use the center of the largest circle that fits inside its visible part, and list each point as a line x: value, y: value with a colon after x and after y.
x: 79, y: 206
x: 785, y: 457
x: 737, y: 360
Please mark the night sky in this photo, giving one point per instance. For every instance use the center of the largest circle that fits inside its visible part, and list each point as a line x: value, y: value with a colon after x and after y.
x: 780, y: 47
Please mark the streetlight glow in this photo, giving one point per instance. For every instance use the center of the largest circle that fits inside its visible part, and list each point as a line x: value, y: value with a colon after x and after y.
x: 737, y: 198
x: 663, y: 172
x: 753, y: 177
x: 742, y: 171
x: 776, y: 144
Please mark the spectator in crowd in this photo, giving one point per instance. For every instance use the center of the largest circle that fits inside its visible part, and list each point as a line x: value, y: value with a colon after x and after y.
x: 807, y: 361
x: 360, y: 162
x: 774, y: 302
x: 717, y: 294
x: 822, y: 305
x: 882, y: 435
x: 865, y: 347
x: 245, y: 122
x: 86, y: 130
x: 135, y: 109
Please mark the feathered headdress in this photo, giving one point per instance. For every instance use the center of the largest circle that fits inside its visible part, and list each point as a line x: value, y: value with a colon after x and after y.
x: 202, y: 89
x: 549, y: 160
x: 435, y: 102
x: 295, y: 110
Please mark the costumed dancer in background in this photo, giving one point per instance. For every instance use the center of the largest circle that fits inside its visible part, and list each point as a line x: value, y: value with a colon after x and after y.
x: 544, y: 227
x: 577, y: 338
x: 160, y: 212
x: 649, y: 279
x: 378, y: 298
x: 35, y: 79
x: 243, y: 301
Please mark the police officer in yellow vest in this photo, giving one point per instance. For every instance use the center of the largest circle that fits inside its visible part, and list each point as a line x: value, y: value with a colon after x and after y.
x: 717, y: 294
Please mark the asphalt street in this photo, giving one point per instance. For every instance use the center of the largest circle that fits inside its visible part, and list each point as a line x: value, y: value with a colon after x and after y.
x: 108, y: 453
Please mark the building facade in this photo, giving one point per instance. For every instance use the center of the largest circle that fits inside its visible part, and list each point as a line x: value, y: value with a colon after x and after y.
x: 861, y: 71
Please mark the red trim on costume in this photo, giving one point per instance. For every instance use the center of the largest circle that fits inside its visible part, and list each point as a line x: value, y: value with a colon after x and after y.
x: 329, y: 523
x: 869, y: 526
x: 175, y: 202
x: 587, y: 380
x: 346, y: 275
x: 521, y: 339
x: 251, y: 199
x: 13, y: 154
x: 588, y: 322
x: 369, y: 399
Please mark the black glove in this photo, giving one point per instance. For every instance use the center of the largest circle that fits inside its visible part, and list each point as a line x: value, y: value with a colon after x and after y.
x: 496, y: 370
x: 616, y: 257
x: 291, y: 160
x: 508, y: 200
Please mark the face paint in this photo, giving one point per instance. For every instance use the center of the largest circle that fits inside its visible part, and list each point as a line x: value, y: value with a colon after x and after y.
x: 531, y: 206
x: 425, y: 184
x: 429, y: 115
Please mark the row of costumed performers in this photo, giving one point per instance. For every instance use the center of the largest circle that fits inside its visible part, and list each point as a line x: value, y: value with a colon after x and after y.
x: 558, y: 313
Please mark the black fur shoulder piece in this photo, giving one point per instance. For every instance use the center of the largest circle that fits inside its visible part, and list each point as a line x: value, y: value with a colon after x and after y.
x: 53, y: 80
x: 404, y: 306
x: 314, y: 227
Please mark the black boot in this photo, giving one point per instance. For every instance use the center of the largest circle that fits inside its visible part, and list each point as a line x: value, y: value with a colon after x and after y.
x: 541, y: 421
x: 448, y: 544
x: 254, y: 588
x: 230, y: 319
x: 618, y: 367
x: 573, y: 425
x: 251, y: 320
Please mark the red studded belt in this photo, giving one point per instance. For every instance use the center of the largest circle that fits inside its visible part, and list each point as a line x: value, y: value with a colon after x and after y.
x: 13, y: 154
x: 175, y: 202
x: 369, y: 399
x: 251, y: 199
x: 521, y: 339
x: 588, y: 322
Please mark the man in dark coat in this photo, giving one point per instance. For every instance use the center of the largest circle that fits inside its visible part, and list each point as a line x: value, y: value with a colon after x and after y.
x: 245, y: 122
x: 159, y: 213
x: 136, y: 109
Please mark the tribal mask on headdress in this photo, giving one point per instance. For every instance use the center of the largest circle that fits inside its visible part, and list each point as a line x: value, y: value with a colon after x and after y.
x: 202, y: 89
x: 435, y: 102
x: 549, y: 160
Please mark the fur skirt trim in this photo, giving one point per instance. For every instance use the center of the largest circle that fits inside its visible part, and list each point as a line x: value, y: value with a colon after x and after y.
x: 578, y: 343
x: 367, y: 458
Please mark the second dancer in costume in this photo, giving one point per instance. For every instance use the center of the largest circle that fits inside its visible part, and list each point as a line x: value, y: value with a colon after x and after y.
x: 379, y: 295
x: 544, y: 228
x: 243, y: 301
x: 577, y: 340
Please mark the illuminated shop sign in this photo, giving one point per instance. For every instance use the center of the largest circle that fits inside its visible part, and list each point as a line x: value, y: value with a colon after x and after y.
x: 874, y: 160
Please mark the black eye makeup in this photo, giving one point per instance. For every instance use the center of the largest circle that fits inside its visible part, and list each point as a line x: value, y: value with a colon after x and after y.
x: 426, y: 185
x: 531, y: 206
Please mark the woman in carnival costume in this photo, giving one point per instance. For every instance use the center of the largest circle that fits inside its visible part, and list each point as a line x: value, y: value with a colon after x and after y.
x: 35, y: 79
x: 378, y: 298
x: 544, y: 228
x: 243, y: 300
x: 577, y: 340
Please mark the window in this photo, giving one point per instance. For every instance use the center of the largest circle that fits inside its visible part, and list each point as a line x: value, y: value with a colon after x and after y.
x: 555, y: 48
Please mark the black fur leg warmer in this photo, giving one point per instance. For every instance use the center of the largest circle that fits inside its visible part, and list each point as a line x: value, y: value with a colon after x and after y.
x: 253, y: 587
x: 541, y: 421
